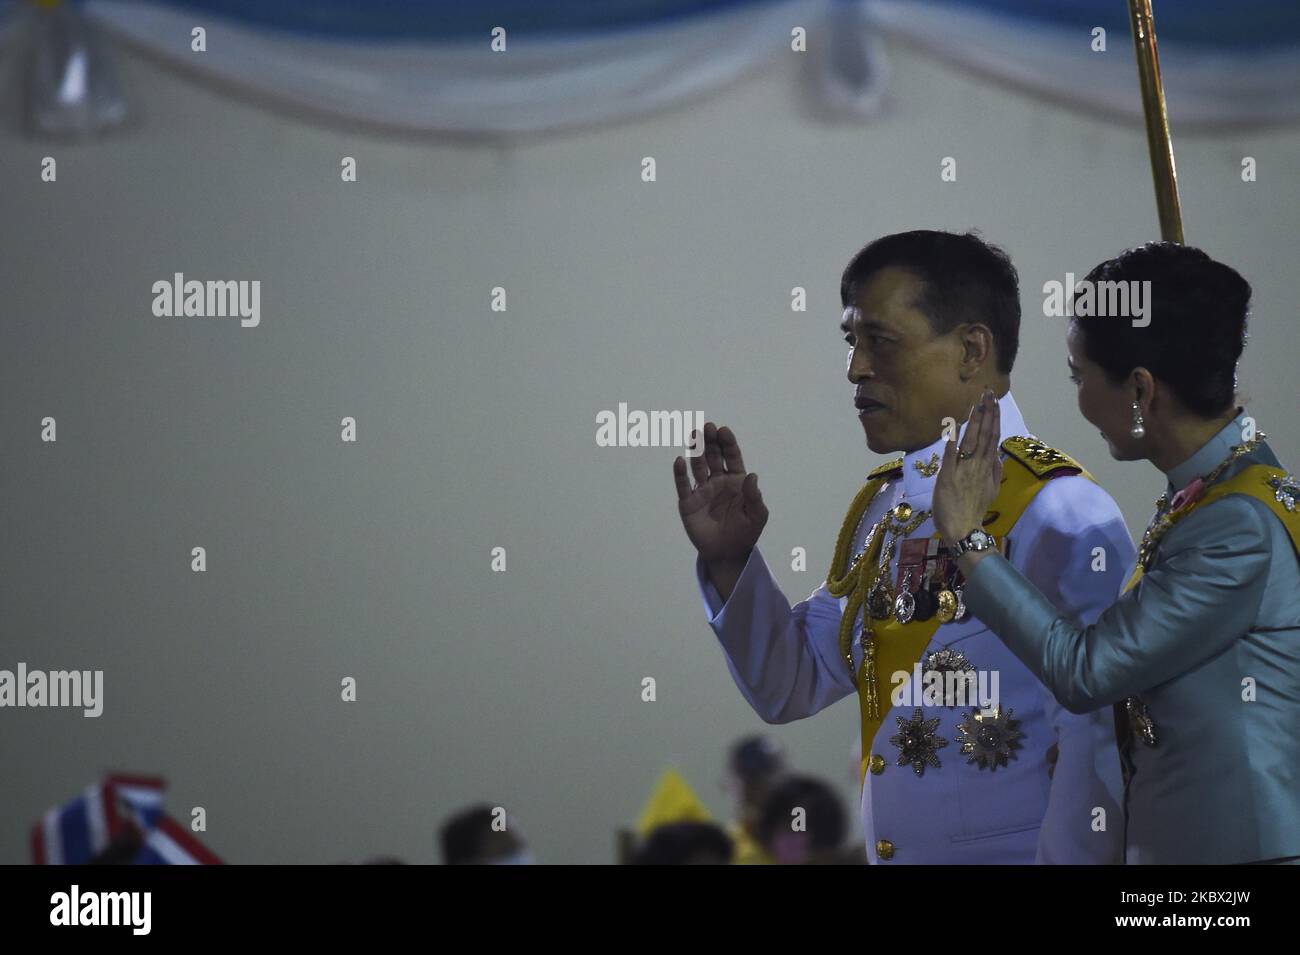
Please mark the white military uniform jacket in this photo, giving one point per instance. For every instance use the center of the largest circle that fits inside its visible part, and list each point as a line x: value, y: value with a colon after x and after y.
x: 786, y: 662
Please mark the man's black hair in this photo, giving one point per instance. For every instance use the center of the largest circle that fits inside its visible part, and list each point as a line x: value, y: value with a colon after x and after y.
x: 464, y: 834
x: 678, y: 843
x: 966, y: 280
x: 824, y: 818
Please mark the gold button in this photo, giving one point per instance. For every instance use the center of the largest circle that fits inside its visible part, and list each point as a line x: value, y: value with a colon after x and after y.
x: 885, y: 849
x: 903, y: 512
x: 877, y: 763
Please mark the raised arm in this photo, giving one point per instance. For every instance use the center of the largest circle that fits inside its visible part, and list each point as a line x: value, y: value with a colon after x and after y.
x: 785, y: 660
x: 1202, y: 596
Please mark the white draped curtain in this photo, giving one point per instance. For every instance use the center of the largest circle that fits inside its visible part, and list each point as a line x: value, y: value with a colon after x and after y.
x: 428, y: 65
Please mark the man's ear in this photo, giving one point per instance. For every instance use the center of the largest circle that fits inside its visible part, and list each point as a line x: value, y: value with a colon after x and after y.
x: 978, y: 350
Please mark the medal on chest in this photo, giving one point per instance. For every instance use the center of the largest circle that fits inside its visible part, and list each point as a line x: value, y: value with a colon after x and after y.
x: 928, y: 583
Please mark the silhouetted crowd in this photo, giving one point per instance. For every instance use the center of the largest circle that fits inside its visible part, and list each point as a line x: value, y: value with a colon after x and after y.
x: 781, y: 818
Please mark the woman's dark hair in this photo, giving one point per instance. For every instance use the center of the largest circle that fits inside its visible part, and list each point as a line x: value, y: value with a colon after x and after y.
x: 1195, y: 324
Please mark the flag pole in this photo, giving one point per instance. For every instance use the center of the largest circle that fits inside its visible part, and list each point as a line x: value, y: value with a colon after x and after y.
x: 1157, y: 121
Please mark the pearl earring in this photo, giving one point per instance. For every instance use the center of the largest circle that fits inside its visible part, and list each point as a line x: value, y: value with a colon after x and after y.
x: 1139, y: 430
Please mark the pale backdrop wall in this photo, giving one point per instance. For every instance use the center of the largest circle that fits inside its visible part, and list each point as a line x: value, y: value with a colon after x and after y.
x: 476, y: 430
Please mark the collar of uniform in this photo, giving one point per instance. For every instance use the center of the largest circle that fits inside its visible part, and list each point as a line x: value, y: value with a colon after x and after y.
x: 918, y: 488
x: 1210, y: 455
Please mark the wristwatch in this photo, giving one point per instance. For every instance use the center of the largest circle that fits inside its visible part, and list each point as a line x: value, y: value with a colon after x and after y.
x: 976, y: 540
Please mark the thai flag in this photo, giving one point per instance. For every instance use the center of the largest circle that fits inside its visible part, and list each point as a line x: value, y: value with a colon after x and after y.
x: 76, y: 832
x: 120, y: 809
x: 169, y: 843
x: 138, y: 799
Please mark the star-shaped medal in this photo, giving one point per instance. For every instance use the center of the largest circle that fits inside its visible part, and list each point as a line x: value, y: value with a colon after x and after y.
x: 916, y: 741
x: 947, y: 661
x: 988, y: 737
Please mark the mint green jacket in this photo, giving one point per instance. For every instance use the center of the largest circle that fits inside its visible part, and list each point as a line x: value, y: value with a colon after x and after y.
x: 1209, y: 640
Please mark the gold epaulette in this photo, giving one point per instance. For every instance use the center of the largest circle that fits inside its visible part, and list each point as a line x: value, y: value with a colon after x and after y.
x: 885, y: 469
x: 1040, y: 458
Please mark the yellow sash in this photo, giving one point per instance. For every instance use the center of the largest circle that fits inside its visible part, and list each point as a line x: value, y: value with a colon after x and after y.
x: 1253, y: 482
x: 898, y: 646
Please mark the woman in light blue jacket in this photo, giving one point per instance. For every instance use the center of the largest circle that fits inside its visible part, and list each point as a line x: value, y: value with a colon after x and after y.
x: 1201, y: 655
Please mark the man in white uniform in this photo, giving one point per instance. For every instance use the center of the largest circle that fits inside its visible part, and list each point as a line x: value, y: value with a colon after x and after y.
x: 932, y: 319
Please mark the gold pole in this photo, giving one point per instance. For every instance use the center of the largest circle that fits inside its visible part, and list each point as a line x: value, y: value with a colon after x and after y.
x: 1157, y: 121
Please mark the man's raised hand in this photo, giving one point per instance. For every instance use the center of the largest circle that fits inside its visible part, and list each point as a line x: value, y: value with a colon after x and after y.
x: 724, y: 513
